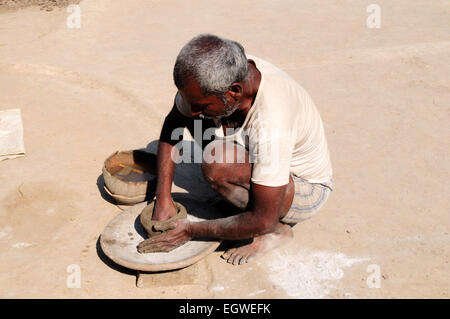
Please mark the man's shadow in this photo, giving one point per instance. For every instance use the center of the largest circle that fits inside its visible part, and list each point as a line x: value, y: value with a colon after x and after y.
x: 187, y: 176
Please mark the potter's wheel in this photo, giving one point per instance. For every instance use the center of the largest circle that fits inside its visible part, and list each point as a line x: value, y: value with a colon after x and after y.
x: 122, y: 235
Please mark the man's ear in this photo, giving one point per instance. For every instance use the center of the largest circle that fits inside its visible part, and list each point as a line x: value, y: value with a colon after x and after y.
x: 235, y: 91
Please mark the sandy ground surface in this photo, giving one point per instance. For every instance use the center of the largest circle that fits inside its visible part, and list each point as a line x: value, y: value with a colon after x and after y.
x: 383, y: 94
x: 47, y: 5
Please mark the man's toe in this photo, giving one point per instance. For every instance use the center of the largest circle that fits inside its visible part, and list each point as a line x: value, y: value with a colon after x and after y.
x: 228, y: 253
x: 237, y: 259
x: 231, y: 258
x: 251, y: 257
x: 243, y: 260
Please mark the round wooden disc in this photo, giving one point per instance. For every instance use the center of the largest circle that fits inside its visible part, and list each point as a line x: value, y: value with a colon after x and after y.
x: 122, y: 235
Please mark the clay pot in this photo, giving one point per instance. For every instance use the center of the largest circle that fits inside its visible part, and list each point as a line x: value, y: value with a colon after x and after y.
x: 148, y: 223
x: 130, y: 176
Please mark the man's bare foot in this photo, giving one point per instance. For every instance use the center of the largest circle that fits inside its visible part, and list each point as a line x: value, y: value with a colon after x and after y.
x: 259, y: 246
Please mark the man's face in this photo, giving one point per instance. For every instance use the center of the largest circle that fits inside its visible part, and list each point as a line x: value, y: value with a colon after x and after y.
x: 206, y: 106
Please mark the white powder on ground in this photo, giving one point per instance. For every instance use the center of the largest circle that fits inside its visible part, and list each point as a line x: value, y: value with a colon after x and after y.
x: 22, y: 245
x: 256, y: 292
x: 5, y: 231
x: 308, y: 274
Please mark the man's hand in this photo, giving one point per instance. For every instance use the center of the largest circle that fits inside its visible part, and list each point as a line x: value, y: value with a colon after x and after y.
x: 164, y: 210
x: 178, y: 234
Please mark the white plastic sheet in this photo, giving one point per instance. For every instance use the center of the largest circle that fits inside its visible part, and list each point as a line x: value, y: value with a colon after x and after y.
x: 11, y: 134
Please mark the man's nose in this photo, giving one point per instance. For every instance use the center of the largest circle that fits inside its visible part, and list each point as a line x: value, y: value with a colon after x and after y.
x: 196, y: 111
x: 195, y: 114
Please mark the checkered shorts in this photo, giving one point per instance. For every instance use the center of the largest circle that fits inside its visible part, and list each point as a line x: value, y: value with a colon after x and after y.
x: 308, y: 199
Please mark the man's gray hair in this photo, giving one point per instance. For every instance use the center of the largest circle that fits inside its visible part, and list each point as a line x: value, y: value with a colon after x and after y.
x: 215, y: 63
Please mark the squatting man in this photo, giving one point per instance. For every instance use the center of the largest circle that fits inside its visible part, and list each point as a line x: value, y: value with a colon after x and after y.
x: 269, y: 158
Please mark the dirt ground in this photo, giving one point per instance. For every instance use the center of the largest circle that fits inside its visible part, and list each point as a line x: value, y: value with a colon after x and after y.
x: 383, y: 94
x: 47, y: 5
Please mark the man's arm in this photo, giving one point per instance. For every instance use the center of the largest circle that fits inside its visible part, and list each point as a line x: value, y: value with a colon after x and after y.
x: 261, y: 219
x: 166, y: 166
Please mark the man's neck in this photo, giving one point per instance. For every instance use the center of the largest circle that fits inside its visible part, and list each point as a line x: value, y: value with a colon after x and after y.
x: 252, y: 87
x: 250, y: 91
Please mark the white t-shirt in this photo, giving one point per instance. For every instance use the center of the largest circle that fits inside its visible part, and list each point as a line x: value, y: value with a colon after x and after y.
x: 282, y: 131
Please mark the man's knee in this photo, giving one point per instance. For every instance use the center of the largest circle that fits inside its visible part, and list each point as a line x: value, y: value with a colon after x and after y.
x: 226, y: 162
x: 212, y: 174
x: 219, y: 151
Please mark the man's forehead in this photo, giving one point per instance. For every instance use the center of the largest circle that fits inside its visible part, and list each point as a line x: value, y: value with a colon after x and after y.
x: 188, y: 98
x: 192, y: 93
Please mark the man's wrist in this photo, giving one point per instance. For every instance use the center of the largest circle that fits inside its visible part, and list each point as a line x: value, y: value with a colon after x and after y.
x: 189, y: 230
x: 163, y: 200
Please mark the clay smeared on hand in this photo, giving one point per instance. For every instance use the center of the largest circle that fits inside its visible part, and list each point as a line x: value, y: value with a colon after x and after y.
x: 158, y: 228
